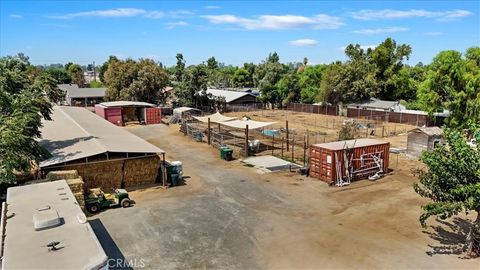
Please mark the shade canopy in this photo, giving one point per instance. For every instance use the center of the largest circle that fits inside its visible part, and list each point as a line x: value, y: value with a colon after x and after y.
x: 214, y: 118
x: 243, y: 124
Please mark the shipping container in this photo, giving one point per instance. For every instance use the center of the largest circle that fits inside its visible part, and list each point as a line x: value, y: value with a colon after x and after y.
x: 111, y: 114
x: 342, y: 161
x: 153, y: 116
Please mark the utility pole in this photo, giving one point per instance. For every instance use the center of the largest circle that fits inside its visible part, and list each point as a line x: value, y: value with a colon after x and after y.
x: 94, y: 73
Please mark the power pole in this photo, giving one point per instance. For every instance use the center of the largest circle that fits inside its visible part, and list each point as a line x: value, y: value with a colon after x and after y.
x: 94, y: 73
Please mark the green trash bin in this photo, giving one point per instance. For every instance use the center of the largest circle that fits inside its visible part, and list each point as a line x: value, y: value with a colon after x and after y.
x: 174, y: 179
x: 223, y: 151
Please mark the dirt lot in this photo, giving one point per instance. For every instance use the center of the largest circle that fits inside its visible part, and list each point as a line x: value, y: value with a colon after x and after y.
x: 229, y: 216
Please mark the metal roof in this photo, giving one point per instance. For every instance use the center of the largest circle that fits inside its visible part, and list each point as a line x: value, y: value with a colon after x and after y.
x: 228, y: 95
x: 338, y: 145
x: 76, y: 133
x: 430, y: 131
x: 375, y: 103
x: 127, y: 104
x: 73, y: 91
x: 25, y: 248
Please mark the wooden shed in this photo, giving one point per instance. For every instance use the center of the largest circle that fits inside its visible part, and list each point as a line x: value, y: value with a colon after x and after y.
x: 423, y: 139
x: 342, y: 161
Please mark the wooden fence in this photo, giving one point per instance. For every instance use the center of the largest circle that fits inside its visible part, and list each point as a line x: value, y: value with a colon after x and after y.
x: 309, y: 108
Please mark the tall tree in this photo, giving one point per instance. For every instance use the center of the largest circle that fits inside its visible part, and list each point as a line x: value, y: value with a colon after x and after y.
x: 76, y: 73
x: 452, y: 182
x: 59, y: 74
x: 141, y: 80
x: 267, y: 75
x: 452, y: 83
x: 24, y: 101
x: 103, y: 68
x: 179, y: 68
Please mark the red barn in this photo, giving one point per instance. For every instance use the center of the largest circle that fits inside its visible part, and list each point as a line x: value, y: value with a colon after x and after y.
x: 342, y: 161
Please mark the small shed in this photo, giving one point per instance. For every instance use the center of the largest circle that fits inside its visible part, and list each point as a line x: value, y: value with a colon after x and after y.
x: 423, y: 139
x: 341, y: 161
x: 185, y: 112
x: 121, y: 113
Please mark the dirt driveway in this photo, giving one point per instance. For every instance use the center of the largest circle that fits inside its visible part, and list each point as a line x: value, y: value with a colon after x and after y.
x: 228, y: 216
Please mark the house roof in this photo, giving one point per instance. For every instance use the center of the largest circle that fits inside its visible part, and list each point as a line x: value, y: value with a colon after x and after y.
x: 127, y: 104
x: 25, y: 247
x: 73, y: 91
x: 339, y: 145
x: 375, y: 103
x: 76, y: 133
x: 430, y: 131
x: 228, y: 95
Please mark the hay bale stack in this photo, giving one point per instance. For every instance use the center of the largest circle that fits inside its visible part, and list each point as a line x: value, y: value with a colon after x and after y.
x: 141, y: 171
x: 80, y: 199
x: 105, y: 175
x: 76, y: 185
x: 59, y: 175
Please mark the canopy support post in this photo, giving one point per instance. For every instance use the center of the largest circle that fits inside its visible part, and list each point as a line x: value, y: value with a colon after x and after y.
x: 246, y: 141
x: 286, y: 127
x: 208, y: 132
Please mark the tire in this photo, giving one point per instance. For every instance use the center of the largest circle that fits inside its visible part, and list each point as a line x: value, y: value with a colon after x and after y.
x: 126, y: 203
x: 93, y: 208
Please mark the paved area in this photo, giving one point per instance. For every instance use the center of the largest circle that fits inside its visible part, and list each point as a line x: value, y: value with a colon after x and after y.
x: 228, y: 216
x: 270, y: 163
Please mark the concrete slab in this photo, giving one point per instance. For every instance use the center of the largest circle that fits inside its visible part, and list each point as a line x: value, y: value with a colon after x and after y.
x: 270, y: 163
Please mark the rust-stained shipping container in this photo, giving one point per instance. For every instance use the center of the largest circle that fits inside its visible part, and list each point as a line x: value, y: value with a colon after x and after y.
x: 153, y: 116
x: 332, y: 162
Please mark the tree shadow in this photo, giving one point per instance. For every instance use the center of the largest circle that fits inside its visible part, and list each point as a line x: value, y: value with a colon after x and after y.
x: 450, y: 235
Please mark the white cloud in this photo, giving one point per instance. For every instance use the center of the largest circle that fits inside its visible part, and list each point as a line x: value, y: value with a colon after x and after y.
x: 113, y: 13
x: 376, y: 31
x: 16, y: 16
x: 277, y: 22
x: 212, y: 7
x: 370, y: 14
x: 118, y: 12
x: 433, y: 33
x: 155, y: 15
x: 303, y: 42
x: 363, y: 47
x: 172, y: 25
x: 181, y: 13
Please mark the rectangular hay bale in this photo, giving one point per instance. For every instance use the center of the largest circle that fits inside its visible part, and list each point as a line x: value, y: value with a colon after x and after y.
x: 59, y: 175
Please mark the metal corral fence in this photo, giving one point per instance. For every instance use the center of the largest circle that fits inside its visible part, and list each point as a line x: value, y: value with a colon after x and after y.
x: 260, y: 142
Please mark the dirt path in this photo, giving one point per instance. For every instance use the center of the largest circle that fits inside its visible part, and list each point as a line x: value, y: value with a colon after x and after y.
x: 230, y: 216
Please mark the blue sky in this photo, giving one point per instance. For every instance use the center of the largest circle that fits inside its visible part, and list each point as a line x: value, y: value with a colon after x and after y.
x: 233, y: 31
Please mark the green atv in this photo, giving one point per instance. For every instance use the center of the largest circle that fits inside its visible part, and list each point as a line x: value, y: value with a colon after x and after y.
x: 97, y: 199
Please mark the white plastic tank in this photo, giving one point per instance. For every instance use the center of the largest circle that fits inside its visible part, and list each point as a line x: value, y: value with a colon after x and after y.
x: 179, y: 166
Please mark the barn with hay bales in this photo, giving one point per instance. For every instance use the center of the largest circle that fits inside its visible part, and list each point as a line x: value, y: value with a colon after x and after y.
x: 423, y: 139
x: 341, y: 162
x: 104, y: 155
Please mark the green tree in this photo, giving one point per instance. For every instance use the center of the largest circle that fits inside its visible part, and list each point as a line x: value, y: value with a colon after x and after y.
x: 142, y: 80
x: 103, y: 68
x: 179, y: 68
x: 24, y: 101
x: 309, y: 81
x: 452, y: 83
x: 240, y: 78
x: 288, y: 88
x: 451, y: 181
x: 59, y: 74
x: 388, y: 60
x: 76, y: 73
x: 267, y: 76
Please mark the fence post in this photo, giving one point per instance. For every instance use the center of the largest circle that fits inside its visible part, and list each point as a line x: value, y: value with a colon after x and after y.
x: 282, y: 148
x: 208, y: 132
x: 286, y: 127
x: 273, y: 143
x: 304, y: 152
x: 293, y: 145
